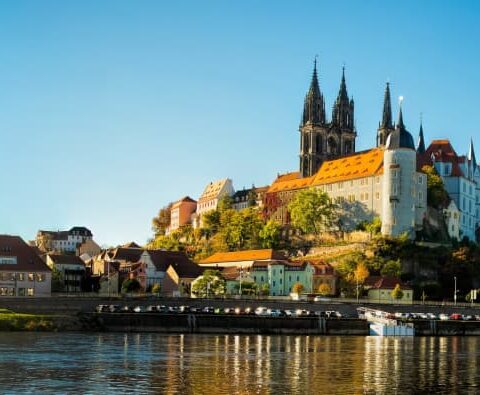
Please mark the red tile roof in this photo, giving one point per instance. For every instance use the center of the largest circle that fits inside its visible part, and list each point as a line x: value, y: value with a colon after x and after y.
x: 380, y: 282
x: 442, y: 151
x: 238, y: 256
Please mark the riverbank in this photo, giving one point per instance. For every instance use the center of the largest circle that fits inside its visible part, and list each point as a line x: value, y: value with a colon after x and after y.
x: 14, y: 321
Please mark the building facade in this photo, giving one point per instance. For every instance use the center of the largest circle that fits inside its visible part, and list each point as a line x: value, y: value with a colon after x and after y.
x: 181, y: 213
x: 210, y: 198
x: 22, y: 272
x: 63, y: 241
x: 461, y: 178
x: 71, y: 269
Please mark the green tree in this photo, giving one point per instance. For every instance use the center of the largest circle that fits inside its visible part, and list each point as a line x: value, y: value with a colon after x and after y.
x: 264, y: 289
x: 58, y: 284
x: 298, y: 288
x: 324, y: 289
x: 162, y: 220
x: 312, y: 211
x: 391, y: 268
x: 437, y: 196
x: 210, y: 283
x: 270, y: 234
x: 397, y: 292
x: 131, y: 285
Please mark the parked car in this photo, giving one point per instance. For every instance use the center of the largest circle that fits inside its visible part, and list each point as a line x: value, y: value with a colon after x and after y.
x: 139, y: 309
x: 443, y: 317
x: 467, y: 317
x: 102, y: 308
x: 321, y: 299
x: 261, y: 311
x: 288, y: 313
x: 455, y: 316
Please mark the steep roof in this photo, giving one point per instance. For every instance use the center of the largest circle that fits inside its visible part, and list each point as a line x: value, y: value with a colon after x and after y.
x: 212, y: 190
x: 59, y: 259
x: 379, y: 282
x: 442, y: 151
x: 178, y: 260
x: 186, y: 199
x: 362, y: 164
x: 131, y: 244
x: 26, y: 258
x: 239, y: 256
x: 126, y: 254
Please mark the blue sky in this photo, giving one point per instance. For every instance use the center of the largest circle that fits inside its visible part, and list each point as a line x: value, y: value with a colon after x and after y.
x: 111, y: 109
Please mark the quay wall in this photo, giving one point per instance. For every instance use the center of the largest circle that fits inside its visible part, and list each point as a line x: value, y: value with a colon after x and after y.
x: 75, y: 304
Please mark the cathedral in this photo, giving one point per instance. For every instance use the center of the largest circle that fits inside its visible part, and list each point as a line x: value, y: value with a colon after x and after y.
x: 321, y: 140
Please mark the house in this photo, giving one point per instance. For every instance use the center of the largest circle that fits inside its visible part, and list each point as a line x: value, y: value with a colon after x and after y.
x: 22, y: 272
x: 252, y: 197
x: 241, y: 258
x: 88, y: 247
x: 234, y: 276
x: 380, y: 289
x: 452, y: 220
x: 210, y: 198
x: 63, y: 241
x: 71, y: 269
x: 181, y: 213
x: 173, y: 270
x: 324, y: 274
x: 281, y: 276
x: 461, y: 178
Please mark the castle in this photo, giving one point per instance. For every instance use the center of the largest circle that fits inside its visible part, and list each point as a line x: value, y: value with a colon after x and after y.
x: 385, y: 181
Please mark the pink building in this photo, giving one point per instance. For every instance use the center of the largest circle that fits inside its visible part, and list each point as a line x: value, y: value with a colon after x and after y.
x: 181, y: 213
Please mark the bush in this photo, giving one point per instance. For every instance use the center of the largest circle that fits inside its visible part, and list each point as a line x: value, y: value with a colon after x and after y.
x: 297, y: 288
x: 131, y: 285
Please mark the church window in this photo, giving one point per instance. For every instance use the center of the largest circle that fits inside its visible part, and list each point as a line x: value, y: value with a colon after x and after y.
x: 332, y: 146
x: 318, y: 143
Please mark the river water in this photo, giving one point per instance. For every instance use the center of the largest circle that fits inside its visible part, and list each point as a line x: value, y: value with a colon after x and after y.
x: 228, y: 364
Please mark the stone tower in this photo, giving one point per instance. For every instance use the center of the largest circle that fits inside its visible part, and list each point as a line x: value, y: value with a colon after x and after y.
x: 399, y: 194
x: 386, y: 126
x: 319, y: 139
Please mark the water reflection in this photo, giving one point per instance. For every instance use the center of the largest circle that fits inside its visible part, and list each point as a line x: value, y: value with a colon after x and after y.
x: 235, y: 364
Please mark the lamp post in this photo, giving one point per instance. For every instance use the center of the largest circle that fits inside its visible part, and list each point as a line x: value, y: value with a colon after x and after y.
x: 358, y: 296
x: 455, y: 292
x: 240, y: 286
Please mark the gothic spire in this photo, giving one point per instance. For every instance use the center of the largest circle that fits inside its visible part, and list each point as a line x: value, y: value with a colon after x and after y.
x: 471, y: 155
x: 421, y: 140
x: 400, y: 124
x: 342, y: 93
x: 343, y: 108
x: 314, y: 107
x: 387, y: 110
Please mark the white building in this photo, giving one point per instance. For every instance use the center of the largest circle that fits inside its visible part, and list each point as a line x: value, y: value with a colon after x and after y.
x: 452, y: 220
x: 63, y: 241
x: 210, y: 198
x: 461, y: 177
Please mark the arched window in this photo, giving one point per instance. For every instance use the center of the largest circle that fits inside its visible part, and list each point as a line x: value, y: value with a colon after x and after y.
x: 332, y: 146
x: 319, y: 143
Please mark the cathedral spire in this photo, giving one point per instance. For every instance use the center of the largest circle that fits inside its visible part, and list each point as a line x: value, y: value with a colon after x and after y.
x: 342, y: 114
x: 471, y: 155
x: 314, y: 107
x: 421, y: 140
x: 400, y: 124
x: 387, y: 110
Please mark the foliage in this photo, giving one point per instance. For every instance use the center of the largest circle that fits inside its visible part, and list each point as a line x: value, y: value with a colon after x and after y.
x: 162, y: 220
x: 270, y: 235
x: 131, y: 285
x: 44, y: 242
x: 391, y: 268
x: 156, y: 288
x: 57, y: 280
x: 361, y: 273
x: 397, y: 292
x: 297, y: 288
x: 312, y: 211
x: 437, y: 196
x: 373, y: 227
x: 264, y: 289
x: 325, y: 289
x: 209, y: 284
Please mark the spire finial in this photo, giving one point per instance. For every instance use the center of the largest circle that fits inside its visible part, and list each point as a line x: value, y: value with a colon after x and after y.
x: 386, y: 122
x: 421, y: 139
x: 400, y: 115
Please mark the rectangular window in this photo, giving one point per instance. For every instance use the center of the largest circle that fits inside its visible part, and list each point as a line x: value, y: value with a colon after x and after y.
x: 420, y: 179
x: 41, y: 277
x: 377, y: 195
x: 30, y: 292
x: 377, y: 180
x: 21, y: 291
x: 31, y: 277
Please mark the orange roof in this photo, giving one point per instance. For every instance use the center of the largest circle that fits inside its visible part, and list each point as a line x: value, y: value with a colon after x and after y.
x: 360, y: 165
x: 290, y: 183
x: 238, y: 256
x: 288, y: 176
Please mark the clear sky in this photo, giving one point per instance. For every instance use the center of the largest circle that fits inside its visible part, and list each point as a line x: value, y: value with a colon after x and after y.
x: 111, y: 109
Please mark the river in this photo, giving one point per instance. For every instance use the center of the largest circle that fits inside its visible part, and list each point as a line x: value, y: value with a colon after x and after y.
x: 228, y: 364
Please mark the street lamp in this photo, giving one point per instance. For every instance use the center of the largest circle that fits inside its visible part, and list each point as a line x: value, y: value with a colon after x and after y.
x: 455, y: 293
x: 240, y: 286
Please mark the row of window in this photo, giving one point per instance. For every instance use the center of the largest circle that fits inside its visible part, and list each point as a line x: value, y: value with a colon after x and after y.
x: 9, y: 291
x: 33, y: 277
